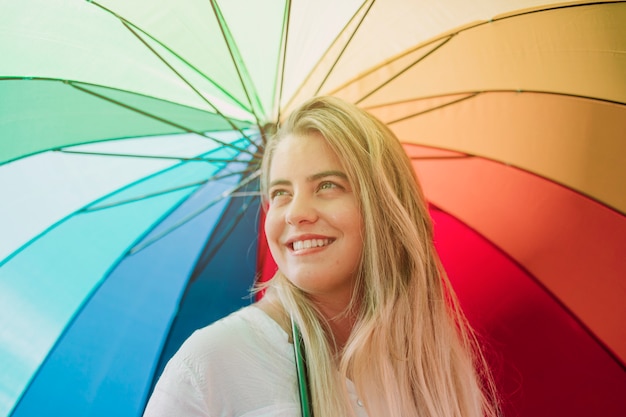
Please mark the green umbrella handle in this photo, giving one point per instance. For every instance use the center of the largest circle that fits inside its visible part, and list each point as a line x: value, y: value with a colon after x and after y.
x: 301, y: 369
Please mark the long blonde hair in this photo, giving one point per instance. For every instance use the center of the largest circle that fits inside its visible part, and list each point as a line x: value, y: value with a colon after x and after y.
x: 411, y: 352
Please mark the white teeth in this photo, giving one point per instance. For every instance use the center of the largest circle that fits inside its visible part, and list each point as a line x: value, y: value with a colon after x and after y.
x: 311, y: 243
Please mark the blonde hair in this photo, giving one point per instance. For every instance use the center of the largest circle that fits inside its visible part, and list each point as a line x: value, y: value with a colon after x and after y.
x: 411, y: 351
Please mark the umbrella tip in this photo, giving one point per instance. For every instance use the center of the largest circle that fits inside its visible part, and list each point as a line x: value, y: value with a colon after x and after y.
x: 268, y: 130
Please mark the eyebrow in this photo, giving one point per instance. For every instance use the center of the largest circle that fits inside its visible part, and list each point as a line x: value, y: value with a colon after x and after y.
x: 314, y: 177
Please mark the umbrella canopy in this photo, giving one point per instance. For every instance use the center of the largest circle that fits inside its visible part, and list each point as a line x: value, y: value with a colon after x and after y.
x: 130, y: 136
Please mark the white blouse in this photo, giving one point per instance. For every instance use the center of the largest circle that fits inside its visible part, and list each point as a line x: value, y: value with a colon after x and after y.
x: 240, y: 366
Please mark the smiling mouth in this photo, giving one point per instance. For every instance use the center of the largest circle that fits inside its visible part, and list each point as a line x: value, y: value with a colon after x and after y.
x: 300, y: 245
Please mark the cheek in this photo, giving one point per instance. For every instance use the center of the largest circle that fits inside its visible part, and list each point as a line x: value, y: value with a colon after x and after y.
x: 348, y: 218
x: 272, y: 227
x: 357, y: 232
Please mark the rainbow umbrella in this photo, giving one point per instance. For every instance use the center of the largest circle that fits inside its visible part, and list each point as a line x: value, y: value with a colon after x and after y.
x: 130, y: 136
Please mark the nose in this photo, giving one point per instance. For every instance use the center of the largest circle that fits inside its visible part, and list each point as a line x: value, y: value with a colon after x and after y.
x: 301, y: 210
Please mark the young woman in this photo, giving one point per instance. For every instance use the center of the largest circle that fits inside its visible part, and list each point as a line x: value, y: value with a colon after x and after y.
x: 359, y: 278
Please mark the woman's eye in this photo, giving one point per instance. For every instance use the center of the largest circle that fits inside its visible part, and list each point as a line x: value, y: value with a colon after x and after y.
x: 277, y: 193
x: 327, y: 185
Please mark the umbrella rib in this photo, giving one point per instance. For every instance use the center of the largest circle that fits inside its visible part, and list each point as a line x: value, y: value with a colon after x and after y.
x: 176, y: 158
x: 122, y: 19
x: 443, y: 39
x: 430, y: 158
x: 169, y: 122
x: 330, y: 70
x: 245, y: 194
x: 128, y: 25
x: 222, y: 239
x: 193, y: 215
x: 310, y: 74
x: 450, y: 103
x: 86, y: 208
x: 96, y: 207
x: 420, y: 59
x: 237, y: 61
x: 283, y: 56
x: 195, y: 90
x: 470, y: 95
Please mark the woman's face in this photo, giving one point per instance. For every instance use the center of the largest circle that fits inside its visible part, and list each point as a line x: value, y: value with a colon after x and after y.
x: 313, y: 224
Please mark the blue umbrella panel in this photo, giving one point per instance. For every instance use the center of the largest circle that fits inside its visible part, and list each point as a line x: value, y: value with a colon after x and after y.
x: 123, y: 278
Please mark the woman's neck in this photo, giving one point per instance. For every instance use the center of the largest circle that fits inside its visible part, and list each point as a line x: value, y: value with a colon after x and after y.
x: 339, y: 320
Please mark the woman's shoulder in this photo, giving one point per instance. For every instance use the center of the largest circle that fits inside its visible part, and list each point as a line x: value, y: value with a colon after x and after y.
x: 242, y: 363
x: 243, y: 335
